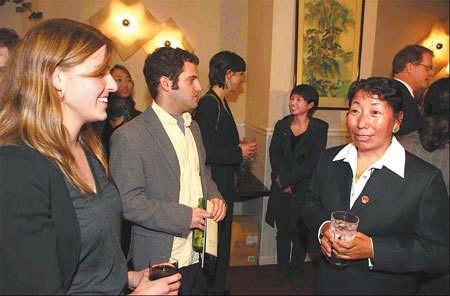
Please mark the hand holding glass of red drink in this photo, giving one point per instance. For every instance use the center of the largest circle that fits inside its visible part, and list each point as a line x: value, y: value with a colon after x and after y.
x: 343, y: 227
x: 162, y: 266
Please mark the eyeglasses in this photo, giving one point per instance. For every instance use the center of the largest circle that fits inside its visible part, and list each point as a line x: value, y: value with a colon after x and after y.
x: 429, y: 67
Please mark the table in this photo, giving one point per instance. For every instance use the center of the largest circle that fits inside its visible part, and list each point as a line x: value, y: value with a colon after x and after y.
x: 250, y: 188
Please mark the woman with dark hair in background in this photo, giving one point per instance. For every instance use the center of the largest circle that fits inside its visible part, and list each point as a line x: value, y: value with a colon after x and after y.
x: 224, y: 151
x: 298, y: 139
x: 60, y: 209
x: 120, y: 104
x: 431, y: 143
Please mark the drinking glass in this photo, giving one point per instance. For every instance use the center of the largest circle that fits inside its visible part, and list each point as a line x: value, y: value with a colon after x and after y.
x: 246, y: 165
x: 162, y: 266
x: 343, y: 227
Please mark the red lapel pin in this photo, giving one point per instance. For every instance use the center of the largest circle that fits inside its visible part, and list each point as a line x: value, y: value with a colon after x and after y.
x: 365, y: 199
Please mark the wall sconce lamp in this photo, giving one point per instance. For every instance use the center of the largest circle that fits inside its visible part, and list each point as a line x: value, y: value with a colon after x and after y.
x: 128, y: 24
x: 438, y: 41
x: 170, y: 36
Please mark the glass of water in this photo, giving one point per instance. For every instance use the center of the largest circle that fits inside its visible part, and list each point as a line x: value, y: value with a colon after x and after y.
x: 343, y: 227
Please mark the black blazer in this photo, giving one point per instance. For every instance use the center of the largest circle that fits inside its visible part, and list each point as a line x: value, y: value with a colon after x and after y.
x: 40, y: 236
x: 294, y: 167
x: 407, y: 219
x: 222, y: 151
x: 411, y: 112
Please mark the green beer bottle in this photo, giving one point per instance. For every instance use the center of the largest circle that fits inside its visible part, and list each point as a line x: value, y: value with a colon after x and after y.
x: 197, y: 235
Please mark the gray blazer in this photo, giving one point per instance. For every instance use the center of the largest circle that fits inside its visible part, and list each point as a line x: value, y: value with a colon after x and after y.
x: 145, y: 167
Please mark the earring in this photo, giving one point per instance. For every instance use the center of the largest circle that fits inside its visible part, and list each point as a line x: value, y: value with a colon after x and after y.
x: 61, y: 96
x: 395, y: 129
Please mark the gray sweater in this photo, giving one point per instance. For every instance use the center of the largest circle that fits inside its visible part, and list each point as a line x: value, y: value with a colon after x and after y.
x: 102, y: 266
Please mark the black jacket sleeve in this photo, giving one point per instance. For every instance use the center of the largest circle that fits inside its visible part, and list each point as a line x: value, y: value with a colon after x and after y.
x: 219, y: 145
x: 29, y: 262
x: 275, y: 151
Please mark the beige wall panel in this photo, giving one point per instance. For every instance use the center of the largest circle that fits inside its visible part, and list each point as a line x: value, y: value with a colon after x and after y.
x: 234, y: 37
x: 400, y: 23
x: 258, y: 62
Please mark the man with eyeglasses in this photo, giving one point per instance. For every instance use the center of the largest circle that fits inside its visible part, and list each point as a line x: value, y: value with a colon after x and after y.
x: 412, y: 70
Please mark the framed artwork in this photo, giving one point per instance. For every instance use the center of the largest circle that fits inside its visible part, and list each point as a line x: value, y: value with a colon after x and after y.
x: 328, y: 48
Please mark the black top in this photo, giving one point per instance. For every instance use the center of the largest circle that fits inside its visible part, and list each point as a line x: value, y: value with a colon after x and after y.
x: 294, y: 140
x: 41, y: 249
x: 222, y: 151
x: 411, y: 112
x: 293, y: 166
x: 40, y: 236
x: 108, y: 130
x: 102, y: 266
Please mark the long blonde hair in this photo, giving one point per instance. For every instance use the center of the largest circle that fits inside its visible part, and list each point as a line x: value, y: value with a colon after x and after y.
x: 31, y: 110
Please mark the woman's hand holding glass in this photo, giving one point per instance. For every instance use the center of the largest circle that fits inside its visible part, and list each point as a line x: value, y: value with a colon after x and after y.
x: 358, y: 248
x: 141, y: 284
x: 248, y: 147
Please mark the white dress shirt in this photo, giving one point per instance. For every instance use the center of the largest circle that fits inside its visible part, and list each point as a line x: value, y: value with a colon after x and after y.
x: 190, y: 182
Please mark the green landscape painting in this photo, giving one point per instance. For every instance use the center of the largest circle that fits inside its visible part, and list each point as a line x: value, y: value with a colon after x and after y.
x: 329, y: 47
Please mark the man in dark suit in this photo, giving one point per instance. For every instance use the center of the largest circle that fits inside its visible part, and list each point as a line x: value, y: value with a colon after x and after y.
x: 158, y: 162
x: 412, y: 69
x: 224, y: 152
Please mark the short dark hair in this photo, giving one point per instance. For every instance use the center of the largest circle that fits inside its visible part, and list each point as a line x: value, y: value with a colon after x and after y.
x: 9, y: 38
x: 222, y: 62
x: 309, y: 94
x: 384, y: 88
x: 166, y: 61
x: 409, y: 54
x: 433, y: 126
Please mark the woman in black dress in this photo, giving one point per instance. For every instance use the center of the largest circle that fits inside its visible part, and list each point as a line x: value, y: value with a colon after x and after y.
x: 224, y: 150
x: 297, y: 141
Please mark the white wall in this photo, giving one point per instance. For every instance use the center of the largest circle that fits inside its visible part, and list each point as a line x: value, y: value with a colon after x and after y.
x: 209, y: 26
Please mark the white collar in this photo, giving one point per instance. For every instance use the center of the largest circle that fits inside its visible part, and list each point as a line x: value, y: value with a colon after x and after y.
x: 407, y: 86
x: 394, y: 158
x: 166, y: 118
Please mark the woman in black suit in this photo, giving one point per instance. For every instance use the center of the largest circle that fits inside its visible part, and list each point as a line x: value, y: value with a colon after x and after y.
x: 297, y: 141
x: 401, y: 202
x: 60, y: 212
x: 224, y: 150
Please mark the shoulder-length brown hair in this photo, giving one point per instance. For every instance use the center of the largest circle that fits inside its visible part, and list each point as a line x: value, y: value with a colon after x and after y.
x: 31, y: 111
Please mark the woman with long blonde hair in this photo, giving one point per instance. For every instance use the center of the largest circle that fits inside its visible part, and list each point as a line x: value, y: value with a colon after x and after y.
x: 60, y: 211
